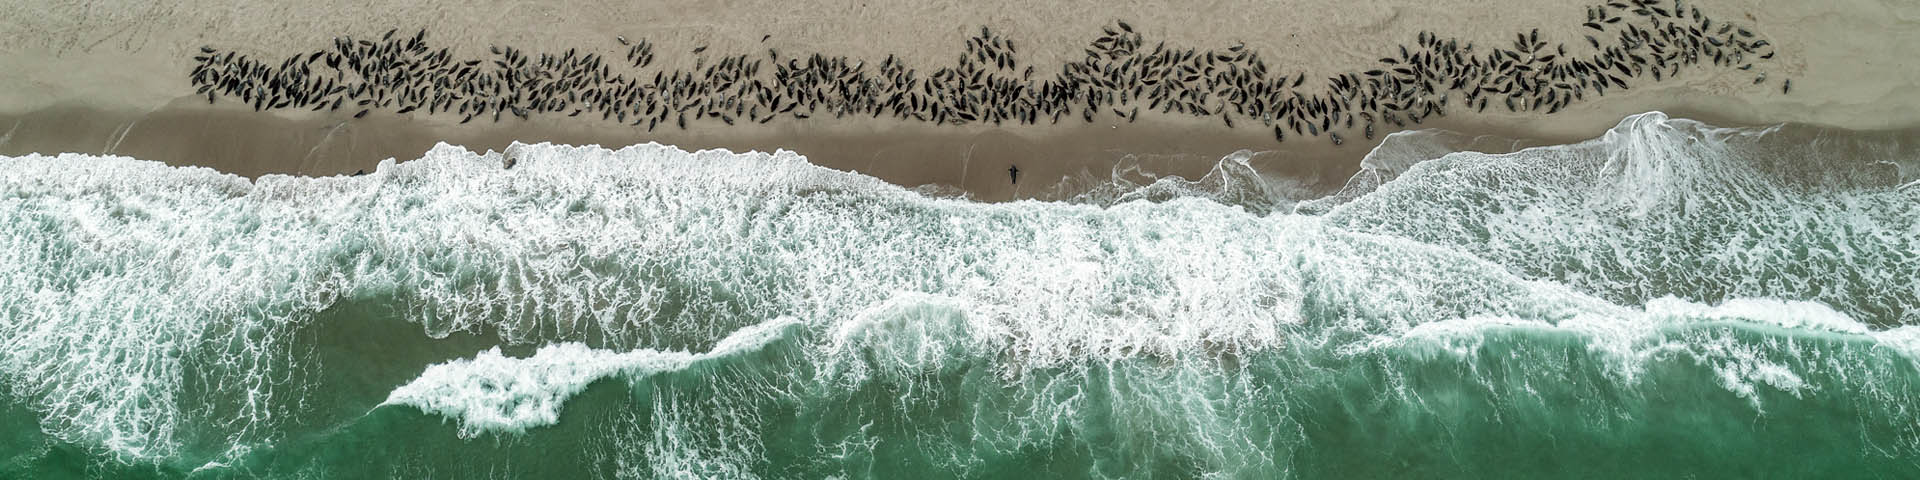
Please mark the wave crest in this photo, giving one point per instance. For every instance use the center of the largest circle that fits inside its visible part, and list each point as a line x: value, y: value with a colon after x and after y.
x: 153, y: 310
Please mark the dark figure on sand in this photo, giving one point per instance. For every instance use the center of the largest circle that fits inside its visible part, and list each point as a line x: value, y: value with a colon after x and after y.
x: 1014, y: 172
x: 1120, y: 71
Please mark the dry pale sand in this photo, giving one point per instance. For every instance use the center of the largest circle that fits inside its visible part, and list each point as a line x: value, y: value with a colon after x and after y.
x: 110, y: 77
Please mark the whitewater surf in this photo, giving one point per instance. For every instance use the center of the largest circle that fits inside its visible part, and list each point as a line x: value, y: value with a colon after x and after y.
x: 1671, y: 297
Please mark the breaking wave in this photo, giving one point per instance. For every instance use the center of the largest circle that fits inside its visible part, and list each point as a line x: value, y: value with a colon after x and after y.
x: 1667, y: 293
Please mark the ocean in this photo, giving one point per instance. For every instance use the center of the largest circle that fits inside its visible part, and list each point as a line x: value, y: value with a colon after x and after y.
x: 1671, y: 299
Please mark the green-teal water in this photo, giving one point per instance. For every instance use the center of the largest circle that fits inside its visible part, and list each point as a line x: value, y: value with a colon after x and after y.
x: 1671, y: 300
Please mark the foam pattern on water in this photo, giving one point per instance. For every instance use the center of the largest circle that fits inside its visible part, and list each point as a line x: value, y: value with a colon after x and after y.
x: 493, y: 392
x: 1232, y: 181
x: 1663, y: 207
x: 158, y: 312
x: 1399, y: 152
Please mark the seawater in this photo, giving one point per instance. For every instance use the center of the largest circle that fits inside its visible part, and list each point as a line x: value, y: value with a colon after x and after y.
x: 1671, y: 299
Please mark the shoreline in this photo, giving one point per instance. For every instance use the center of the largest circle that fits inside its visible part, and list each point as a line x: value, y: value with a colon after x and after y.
x: 118, y: 84
x: 969, y: 158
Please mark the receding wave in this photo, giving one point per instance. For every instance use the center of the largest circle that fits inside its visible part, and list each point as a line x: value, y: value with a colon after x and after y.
x: 1679, y: 297
x: 1661, y: 207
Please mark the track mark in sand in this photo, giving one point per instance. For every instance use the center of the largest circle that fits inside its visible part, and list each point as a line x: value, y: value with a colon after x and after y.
x: 9, y: 136
x: 317, y: 145
x: 967, y: 161
x: 120, y: 135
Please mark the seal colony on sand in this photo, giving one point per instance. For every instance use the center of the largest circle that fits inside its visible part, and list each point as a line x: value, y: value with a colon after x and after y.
x: 1119, y: 75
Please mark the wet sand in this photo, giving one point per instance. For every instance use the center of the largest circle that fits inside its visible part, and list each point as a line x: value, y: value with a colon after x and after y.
x: 112, y: 79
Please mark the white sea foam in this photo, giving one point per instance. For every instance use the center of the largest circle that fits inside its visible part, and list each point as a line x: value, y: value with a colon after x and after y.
x: 120, y: 278
x: 494, y: 392
x: 1233, y: 180
x: 1399, y: 152
x: 1669, y: 207
x: 1671, y: 329
x: 911, y: 334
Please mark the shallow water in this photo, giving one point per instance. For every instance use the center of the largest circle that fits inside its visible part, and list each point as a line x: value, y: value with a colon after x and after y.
x: 1670, y: 299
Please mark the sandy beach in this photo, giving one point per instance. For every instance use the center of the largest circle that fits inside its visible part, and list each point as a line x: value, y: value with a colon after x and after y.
x: 110, y: 79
